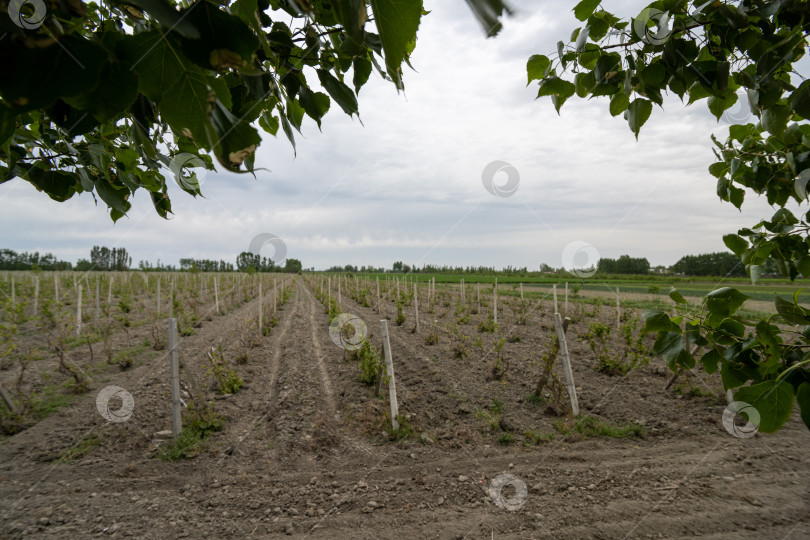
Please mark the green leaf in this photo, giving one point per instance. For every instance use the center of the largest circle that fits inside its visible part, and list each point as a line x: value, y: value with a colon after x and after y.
x: 677, y: 297
x: 362, y: 70
x: 653, y: 76
x: 735, y: 243
x: 351, y: 14
x: 341, y: 93
x: 725, y: 301
x: 733, y: 376
x: 584, y: 83
x: 314, y: 103
x: 58, y: 185
x: 774, y: 119
x: 232, y: 139
x: 710, y: 360
x: 559, y: 90
x: 295, y: 114
x: 168, y: 17
x: 397, y: 22
x: 773, y: 400
x: 718, y: 105
x: 247, y: 10
x: 803, y: 399
x: 536, y: 67
x: 157, y: 64
x: 792, y: 312
x: 669, y: 346
x: 803, y: 266
x: 285, y: 125
x: 800, y: 100
x: 225, y: 40
x: 736, y: 196
x: 637, y: 114
x: 619, y: 103
x: 589, y: 56
x: 489, y: 13
x: 34, y: 77
x: 718, y: 169
x: 658, y: 321
x: 116, y: 91
x: 585, y: 9
x: 269, y: 123
x: 220, y: 88
x: 114, y: 195
x: 185, y: 105
x: 8, y: 122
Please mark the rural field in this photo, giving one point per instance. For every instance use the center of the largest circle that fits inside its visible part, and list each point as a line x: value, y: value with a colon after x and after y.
x: 285, y: 431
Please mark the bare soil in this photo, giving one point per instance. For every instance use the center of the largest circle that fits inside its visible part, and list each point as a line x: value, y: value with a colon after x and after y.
x: 304, y: 450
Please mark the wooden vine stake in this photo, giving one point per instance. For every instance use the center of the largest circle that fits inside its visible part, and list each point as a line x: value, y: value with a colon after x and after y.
x: 158, y: 297
x: 79, y: 313
x: 569, y: 375
x: 109, y: 291
x: 521, y: 291
x: 378, y: 294
x: 416, y: 306
x: 275, y: 296
x: 36, y: 294
x: 216, y: 294
x: 389, y: 370
x: 56, y: 287
x: 174, y: 370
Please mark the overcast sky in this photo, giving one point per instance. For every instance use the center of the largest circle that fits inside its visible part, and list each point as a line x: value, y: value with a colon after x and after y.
x: 407, y: 183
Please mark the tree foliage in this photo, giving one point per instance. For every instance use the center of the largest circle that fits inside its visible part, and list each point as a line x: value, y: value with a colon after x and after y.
x: 104, y: 258
x: 11, y: 260
x: 205, y: 265
x: 104, y: 97
x: 722, y: 264
x: 625, y: 264
x: 723, y: 52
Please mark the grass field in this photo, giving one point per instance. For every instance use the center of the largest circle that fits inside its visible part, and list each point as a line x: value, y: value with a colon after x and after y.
x: 636, y: 291
x: 765, y: 289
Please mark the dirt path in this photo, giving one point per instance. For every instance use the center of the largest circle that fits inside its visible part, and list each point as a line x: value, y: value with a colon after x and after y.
x: 301, y: 454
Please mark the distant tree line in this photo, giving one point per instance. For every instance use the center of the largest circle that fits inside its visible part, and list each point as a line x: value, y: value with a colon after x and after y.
x: 624, y: 265
x: 11, y: 260
x: 363, y: 269
x: 147, y: 266
x: 118, y: 259
x: 400, y: 267
x: 205, y: 265
x: 106, y: 259
x: 710, y: 264
x: 250, y: 262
